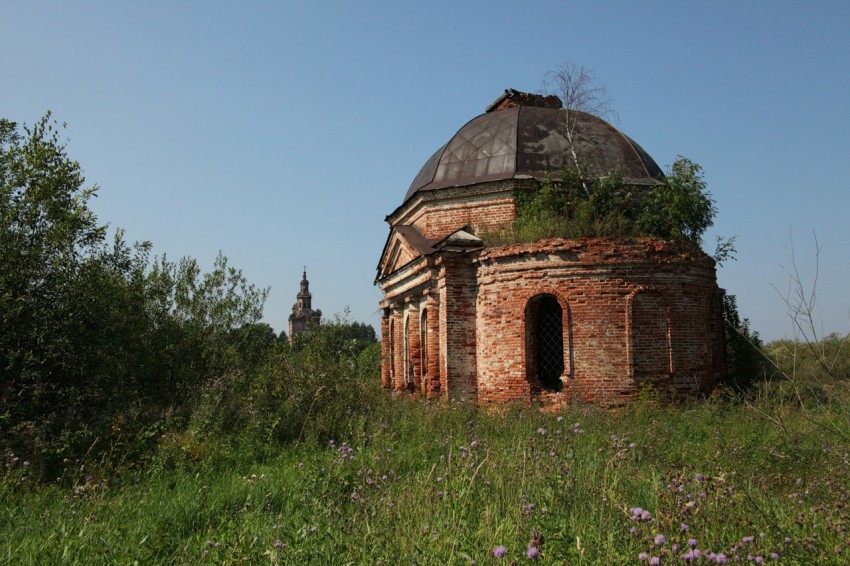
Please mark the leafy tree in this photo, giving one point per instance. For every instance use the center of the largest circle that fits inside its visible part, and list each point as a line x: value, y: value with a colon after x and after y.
x: 744, y: 358
x: 678, y: 209
x: 681, y: 208
x: 97, y: 342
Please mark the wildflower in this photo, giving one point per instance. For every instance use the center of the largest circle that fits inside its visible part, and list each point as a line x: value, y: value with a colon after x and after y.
x: 721, y: 559
x: 499, y: 551
x: 692, y: 542
x: 88, y: 477
x: 747, y: 539
x: 532, y: 552
x: 659, y: 540
x: 278, y: 544
x: 560, y: 419
x: 541, y: 431
x: 683, y: 527
x: 473, y: 444
x: 774, y: 556
x: 654, y: 561
x: 643, y: 557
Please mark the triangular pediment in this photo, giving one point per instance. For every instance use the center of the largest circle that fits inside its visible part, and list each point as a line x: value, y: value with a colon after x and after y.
x: 404, y: 244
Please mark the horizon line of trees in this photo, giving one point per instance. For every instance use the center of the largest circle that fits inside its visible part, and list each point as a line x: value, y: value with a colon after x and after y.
x: 103, y: 346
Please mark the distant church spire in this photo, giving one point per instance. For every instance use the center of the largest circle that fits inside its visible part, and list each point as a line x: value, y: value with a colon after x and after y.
x: 303, y: 316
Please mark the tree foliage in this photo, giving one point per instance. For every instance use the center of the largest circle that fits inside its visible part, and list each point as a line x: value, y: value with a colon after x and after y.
x: 680, y: 208
x: 97, y: 340
x: 744, y: 358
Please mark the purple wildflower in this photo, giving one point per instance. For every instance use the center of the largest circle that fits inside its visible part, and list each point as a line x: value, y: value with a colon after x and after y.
x: 532, y: 552
x: 654, y: 561
x: 499, y: 551
x: 683, y: 527
x: 692, y: 542
x: 643, y: 557
x: 659, y: 540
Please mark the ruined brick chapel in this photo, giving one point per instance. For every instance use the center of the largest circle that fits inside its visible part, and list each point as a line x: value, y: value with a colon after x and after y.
x: 557, y: 320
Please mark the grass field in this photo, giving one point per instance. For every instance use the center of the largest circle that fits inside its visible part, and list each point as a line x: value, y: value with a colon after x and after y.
x: 417, y: 483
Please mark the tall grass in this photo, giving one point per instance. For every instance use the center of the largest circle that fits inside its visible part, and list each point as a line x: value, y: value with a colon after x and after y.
x: 432, y: 483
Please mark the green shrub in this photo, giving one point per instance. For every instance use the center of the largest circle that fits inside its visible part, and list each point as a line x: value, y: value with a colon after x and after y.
x: 679, y: 208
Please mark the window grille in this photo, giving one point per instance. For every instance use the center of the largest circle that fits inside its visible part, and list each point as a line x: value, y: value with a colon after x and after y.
x: 549, y: 341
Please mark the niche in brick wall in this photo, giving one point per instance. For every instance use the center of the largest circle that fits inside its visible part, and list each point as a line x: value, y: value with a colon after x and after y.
x: 650, y: 336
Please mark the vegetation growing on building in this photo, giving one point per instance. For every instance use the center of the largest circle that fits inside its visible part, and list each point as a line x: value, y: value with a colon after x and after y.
x: 680, y: 208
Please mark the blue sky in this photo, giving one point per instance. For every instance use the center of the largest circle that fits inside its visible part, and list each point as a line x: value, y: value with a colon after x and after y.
x: 282, y: 133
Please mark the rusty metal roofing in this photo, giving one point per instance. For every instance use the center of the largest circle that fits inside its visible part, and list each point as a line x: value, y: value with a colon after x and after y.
x: 531, y: 141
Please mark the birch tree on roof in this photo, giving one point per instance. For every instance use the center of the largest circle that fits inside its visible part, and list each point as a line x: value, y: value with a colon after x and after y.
x: 580, y: 92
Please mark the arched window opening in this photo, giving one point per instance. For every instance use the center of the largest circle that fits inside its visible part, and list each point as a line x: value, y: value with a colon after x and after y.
x: 423, y: 341
x: 408, y: 362
x: 392, y: 352
x: 546, y: 341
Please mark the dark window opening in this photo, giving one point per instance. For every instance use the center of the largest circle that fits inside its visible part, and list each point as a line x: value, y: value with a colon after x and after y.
x: 408, y: 362
x: 548, y: 342
x: 392, y: 352
x: 423, y: 329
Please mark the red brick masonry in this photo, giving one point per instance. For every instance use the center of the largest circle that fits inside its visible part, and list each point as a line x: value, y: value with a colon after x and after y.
x: 634, y: 312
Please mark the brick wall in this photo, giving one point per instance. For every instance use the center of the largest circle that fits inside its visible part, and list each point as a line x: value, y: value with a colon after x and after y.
x: 438, y: 213
x: 635, y: 312
x: 626, y: 318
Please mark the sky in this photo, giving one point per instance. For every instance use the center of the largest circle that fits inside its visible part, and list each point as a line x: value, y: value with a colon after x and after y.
x: 282, y: 133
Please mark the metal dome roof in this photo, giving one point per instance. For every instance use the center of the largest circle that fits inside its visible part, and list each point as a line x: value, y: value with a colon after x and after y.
x: 531, y: 141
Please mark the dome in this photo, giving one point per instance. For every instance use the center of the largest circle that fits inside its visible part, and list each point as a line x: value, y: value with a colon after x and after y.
x: 529, y: 140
